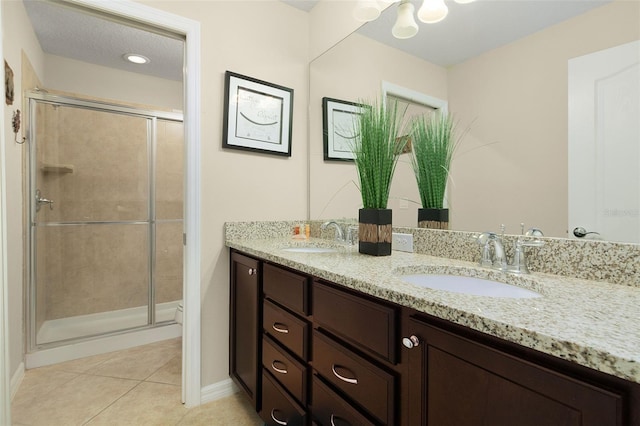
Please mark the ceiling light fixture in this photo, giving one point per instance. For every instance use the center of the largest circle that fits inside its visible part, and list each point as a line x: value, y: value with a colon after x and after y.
x: 405, y: 26
x: 430, y: 12
x: 135, y: 58
x: 367, y: 10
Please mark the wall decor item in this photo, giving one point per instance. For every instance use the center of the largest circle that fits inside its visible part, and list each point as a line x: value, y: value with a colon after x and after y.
x: 15, y: 124
x: 8, y: 84
x: 257, y: 115
x: 338, y: 129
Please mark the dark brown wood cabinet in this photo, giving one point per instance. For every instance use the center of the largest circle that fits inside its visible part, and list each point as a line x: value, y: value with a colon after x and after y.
x: 285, y: 343
x: 458, y: 380
x: 310, y: 352
x: 354, y: 359
x: 244, y: 323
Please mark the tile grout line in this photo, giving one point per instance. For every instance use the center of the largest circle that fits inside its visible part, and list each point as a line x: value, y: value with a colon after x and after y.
x: 114, y: 401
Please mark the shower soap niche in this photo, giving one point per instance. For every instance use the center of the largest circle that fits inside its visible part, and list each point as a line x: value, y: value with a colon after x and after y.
x: 57, y: 168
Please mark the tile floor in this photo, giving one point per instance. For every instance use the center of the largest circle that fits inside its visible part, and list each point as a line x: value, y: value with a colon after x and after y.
x: 138, y: 386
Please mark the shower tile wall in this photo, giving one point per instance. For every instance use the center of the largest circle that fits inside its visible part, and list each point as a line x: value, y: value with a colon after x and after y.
x: 94, y: 165
x: 169, y: 207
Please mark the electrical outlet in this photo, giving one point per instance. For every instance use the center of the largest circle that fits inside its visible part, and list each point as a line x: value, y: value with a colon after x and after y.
x: 402, y: 242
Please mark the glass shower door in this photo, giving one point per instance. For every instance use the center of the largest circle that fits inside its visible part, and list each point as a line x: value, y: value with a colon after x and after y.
x: 91, y: 222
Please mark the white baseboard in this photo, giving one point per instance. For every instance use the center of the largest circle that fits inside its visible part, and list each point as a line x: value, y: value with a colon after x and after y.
x: 217, y: 390
x: 16, y: 380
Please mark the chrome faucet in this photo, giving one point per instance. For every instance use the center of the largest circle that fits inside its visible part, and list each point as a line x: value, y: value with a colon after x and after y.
x: 339, y: 231
x: 531, y: 238
x: 495, y: 258
x: 493, y: 254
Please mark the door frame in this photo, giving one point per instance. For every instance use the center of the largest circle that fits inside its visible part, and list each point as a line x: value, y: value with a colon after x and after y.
x: 5, y: 390
x: 191, y: 328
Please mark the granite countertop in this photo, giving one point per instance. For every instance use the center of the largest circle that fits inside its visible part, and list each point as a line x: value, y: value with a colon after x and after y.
x: 594, y: 324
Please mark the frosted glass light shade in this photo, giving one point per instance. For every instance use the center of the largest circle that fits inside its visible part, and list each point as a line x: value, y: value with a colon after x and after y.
x: 366, y: 10
x: 432, y: 11
x: 464, y: 1
x: 405, y: 26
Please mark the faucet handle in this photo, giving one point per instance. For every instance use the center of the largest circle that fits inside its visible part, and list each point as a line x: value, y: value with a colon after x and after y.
x: 483, y: 238
x: 352, y: 234
x: 533, y: 238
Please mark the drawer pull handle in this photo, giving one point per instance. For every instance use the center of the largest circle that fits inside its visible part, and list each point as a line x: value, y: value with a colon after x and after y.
x: 279, y: 370
x: 280, y: 328
x: 341, y: 377
x: 273, y: 416
x: 253, y: 271
x: 342, y: 421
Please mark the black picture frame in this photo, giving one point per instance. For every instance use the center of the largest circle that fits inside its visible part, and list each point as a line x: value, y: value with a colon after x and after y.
x: 338, y: 128
x: 258, y: 115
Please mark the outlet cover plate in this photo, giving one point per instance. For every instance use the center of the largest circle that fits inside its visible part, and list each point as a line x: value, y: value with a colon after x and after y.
x: 402, y: 242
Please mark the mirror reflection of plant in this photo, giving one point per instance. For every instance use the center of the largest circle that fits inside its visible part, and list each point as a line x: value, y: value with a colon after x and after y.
x: 376, y: 151
x: 433, y: 145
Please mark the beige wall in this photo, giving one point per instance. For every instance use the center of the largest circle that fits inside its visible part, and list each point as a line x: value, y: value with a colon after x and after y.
x: 17, y: 36
x: 512, y: 166
x: 263, y: 39
x: 351, y: 71
x: 79, y: 77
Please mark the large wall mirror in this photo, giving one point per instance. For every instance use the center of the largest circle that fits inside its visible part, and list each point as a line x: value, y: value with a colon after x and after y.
x: 512, y: 100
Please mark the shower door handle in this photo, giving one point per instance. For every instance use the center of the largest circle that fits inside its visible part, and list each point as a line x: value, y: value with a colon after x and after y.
x: 40, y: 201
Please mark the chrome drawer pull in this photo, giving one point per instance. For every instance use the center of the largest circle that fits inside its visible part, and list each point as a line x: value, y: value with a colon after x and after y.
x: 345, y: 379
x: 342, y: 421
x: 279, y: 370
x: 280, y: 422
x: 280, y: 328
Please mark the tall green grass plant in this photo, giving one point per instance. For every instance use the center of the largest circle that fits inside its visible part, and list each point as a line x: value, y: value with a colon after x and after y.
x: 376, y: 149
x: 433, y: 145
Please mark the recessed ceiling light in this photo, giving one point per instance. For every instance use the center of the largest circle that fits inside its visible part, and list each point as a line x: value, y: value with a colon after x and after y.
x: 135, y: 58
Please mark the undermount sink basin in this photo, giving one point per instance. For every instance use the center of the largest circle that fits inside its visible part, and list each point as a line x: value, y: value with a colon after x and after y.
x: 470, y: 285
x: 310, y: 249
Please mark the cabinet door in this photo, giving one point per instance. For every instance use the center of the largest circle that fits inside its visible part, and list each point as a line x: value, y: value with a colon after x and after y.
x: 457, y: 381
x: 244, y: 323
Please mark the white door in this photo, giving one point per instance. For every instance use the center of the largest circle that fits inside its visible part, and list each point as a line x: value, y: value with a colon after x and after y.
x: 604, y: 143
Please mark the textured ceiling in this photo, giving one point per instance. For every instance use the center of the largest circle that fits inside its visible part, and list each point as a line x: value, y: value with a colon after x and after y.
x: 474, y: 28
x: 69, y: 33
x: 468, y: 30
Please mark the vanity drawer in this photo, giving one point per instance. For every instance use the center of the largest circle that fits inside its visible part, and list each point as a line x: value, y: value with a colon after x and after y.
x: 278, y: 408
x: 367, y: 384
x: 327, y: 408
x: 368, y: 324
x: 289, y: 372
x: 285, y: 287
x: 286, y: 328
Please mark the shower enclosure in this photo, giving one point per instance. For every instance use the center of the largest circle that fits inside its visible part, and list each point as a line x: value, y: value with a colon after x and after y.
x: 106, y: 205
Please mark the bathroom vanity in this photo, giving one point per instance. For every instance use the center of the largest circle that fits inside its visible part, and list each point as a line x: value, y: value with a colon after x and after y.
x: 338, y: 339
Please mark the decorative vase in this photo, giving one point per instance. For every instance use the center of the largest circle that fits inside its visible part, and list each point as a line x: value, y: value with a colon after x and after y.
x: 433, y: 218
x: 374, y: 232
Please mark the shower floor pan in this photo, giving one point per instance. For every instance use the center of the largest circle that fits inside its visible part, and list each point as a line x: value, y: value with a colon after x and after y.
x: 103, y: 322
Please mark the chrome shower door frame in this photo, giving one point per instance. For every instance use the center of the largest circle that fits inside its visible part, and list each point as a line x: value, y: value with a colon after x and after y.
x: 151, y: 117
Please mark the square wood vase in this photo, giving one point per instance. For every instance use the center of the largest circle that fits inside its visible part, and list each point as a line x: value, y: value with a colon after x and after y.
x: 433, y: 218
x: 374, y: 232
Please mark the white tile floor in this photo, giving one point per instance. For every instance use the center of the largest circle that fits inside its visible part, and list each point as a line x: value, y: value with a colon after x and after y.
x: 138, y: 386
